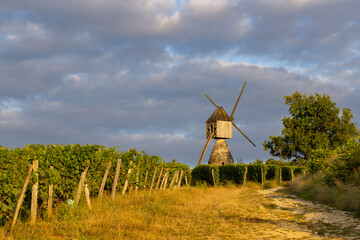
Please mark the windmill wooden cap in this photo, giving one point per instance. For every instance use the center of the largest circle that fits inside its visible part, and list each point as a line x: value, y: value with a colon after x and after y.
x: 218, y: 115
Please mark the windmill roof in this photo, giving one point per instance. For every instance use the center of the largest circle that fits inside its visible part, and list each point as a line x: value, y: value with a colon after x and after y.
x: 219, y: 115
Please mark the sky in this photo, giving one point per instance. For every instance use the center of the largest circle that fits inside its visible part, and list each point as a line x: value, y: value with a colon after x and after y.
x: 134, y: 73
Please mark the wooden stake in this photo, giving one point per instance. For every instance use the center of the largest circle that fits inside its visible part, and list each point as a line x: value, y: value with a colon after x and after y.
x: 21, y: 197
x: 177, y: 179
x: 262, y: 175
x: 158, y: 182
x: 34, y: 194
x: 153, y: 179
x: 186, y: 180
x: 81, y: 186
x: 127, y: 181
x: 213, y: 176
x: 292, y: 175
x: 50, y: 200
x: 116, y: 178
x: 146, y: 175
x: 280, y: 177
x: 181, y: 174
x: 174, y: 178
x: 137, y: 179
x: 166, y: 179
x: 102, y: 186
x: 246, y: 170
x: 163, y: 181
x: 87, y: 195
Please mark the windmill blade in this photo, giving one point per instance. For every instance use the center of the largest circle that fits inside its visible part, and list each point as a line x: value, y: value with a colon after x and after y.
x: 232, y: 114
x: 210, y: 137
x: 243, y: 134
x: 211, y: 101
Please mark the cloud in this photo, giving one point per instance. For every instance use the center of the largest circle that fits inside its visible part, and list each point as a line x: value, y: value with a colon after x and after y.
x: 135, y: 73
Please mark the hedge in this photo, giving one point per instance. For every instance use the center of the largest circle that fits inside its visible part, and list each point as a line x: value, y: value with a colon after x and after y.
x: 234, y: 173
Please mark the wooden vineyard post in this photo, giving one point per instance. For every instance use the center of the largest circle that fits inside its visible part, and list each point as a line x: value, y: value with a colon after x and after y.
x: 87, y: 194
x: 137, y: 179
x: 21, y: 197
x: 127, y: 181
x: 181, y: 174
x: 81, y: 186
x: 262, y: 175
x: 246, y: 170
x: 186, y: 180
x: 145, y: 180
x: 116, y: 178
x: 102, y: 186
x: 34, y: 194
x: 280, y: 175
x: 174, y: 178
x: 159, y: 179
x: 177, y: 179
x: 50, y: 200
x: 153, y: 179
x: 292, y: 174
x: 164, y: 181
x: 213, y: 176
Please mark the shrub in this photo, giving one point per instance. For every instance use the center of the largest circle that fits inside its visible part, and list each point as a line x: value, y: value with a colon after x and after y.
x: 203, y: 173
x: 232, y: 173
x: 286, y: 173
x: 272, y: 172
x: 254, y: 172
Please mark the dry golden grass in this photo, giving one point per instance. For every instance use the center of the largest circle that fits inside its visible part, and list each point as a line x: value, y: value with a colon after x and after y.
x: 185, y: 213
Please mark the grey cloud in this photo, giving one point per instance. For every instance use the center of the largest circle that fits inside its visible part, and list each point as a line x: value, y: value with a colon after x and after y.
x: 313, y: 31
x: 135, y: 73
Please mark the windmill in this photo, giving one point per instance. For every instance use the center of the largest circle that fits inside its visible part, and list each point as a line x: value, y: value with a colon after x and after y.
x: 219, y: 127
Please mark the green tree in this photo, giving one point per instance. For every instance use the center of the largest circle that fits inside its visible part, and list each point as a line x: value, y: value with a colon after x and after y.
x: 314, y: 122
x: 272, y: 161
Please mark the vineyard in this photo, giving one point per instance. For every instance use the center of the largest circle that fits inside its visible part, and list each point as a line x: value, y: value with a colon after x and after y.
x: 58, y: 175
x: 64, y: 168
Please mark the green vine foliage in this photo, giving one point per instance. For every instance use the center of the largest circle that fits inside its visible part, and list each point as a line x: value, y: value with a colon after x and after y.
x: 272, y: 172
x: 68, y: 162
x: 254, y: 172
x: 203, y: 174
x: 234, y: 173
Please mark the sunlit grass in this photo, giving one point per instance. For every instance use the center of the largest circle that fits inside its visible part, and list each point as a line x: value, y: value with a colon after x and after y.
x: 186, y: 213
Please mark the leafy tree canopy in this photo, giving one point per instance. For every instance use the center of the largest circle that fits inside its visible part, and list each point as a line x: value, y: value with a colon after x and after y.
x: 314, y: 122
x: 280, y: 162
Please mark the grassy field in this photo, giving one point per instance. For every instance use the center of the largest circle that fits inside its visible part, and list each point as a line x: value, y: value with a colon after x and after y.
x: 185, y: 213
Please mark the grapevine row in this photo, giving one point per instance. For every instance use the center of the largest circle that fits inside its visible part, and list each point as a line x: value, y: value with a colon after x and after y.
x: 62, y: 165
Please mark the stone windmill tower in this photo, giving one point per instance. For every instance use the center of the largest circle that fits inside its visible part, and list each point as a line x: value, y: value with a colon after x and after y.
x: 219, y: 126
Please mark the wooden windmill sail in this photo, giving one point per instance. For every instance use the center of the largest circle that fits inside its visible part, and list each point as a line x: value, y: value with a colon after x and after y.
x: 219, y: 127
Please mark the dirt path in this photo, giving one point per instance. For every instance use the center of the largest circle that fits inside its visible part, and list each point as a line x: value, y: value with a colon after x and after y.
x: 317, y: 219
